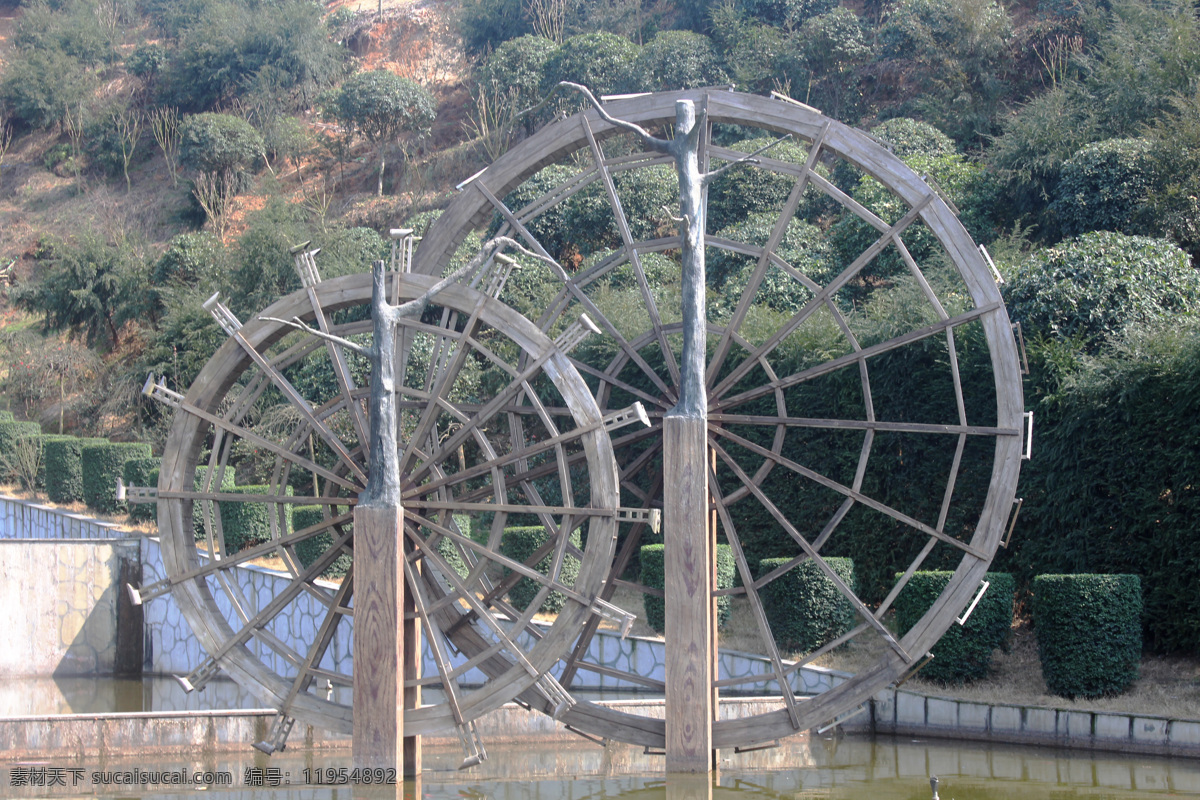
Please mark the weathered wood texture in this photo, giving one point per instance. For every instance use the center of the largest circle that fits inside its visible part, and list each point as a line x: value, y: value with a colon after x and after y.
x: 379, y: 638
x: 688, y: 566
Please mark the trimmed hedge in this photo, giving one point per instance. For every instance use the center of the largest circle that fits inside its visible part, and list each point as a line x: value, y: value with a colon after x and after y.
x: 519, y: 544
x: 246, y: 524
x: 1089, y: 632
x: 652, y: 575
x: 227, y: 482
x: 102, y: 464
x: 447, y: 549
x: 13, y: 432
x: 142, y: 472
x: 804, y: 608
x: 7, y: 416
x: 964, y: 653
x: 42, y: 440
x: 311, y: 548
x: 64, y: 468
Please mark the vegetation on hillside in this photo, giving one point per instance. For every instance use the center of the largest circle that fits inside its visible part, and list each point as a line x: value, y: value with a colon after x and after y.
x: 153, y: 152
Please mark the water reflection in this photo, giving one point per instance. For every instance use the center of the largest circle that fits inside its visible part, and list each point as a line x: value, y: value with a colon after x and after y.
x: 846, y: 769
x: 51, y: 696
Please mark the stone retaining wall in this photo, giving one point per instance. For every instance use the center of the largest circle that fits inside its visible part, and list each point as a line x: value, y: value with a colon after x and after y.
x: 909, y: 713
x: 25, y: 519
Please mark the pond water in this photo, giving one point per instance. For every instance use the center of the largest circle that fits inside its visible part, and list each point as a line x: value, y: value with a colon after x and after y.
x: 49, y: 696
x: 850, y: 768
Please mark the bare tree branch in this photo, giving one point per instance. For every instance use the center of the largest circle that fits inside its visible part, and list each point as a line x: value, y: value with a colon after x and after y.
x: 650, y: 142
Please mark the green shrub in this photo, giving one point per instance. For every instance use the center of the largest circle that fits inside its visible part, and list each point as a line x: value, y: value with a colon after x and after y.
x: 246, y: 524
x: 603, y: 62
x: 64, y: 468
x: 102, y: 464
x: 12, y: 432
x: 1089, y: 632
x: 16, y: 459
x: 1092, y: 287
x: 1101, y: 186
x: 311, y: 548
x: 227, y: 481
x: 964, y: 653
x: 803, y: 606
x: 519, y: 544
x: 449, y: 552
x: 1112, y: 486
x: 652, y: 576
x: 42, y: 440
x: 675, y: 60
x: 7, y: 416
x: 142, y: 472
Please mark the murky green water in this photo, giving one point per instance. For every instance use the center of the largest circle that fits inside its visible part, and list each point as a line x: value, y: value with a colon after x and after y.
x: 846, y: 769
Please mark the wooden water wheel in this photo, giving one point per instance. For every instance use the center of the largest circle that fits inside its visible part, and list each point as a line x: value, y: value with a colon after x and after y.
x: 495, y: 423
x: 789, y: 333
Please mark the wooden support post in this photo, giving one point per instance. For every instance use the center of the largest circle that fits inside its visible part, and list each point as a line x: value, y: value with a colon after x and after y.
x: 379, y: 637
x: 412, y: 670
x: 688, y: 563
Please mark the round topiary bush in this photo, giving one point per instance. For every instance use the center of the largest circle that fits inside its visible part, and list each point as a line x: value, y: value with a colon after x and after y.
x: 653, y: 576
x: 1092, y: 287
x: 64, y: 468
x: 1101, y: 186
x: 102, y: 464
x: 803, y: 606
x: 519, y: 544
x: 1089, y: 632
x: 247, y: 524
x: 964, y: 653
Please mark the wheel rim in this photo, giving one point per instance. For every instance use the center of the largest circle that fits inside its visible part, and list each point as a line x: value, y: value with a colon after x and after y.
x: 486, y: 395
x: 756, y: 395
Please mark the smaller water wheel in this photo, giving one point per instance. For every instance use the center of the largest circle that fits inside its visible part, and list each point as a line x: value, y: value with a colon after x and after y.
x: 495, y: 424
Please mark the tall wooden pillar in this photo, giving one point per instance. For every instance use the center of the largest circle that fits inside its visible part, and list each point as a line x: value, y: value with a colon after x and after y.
x: 379, y: 637
x: 411, y: 670
x: 689, y: 566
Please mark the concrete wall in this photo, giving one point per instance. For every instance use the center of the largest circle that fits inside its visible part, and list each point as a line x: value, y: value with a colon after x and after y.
x: 66, y: 613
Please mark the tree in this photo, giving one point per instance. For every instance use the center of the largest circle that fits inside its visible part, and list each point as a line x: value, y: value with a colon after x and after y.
x: 218, y: 143
x: 785, y: 12
x: 42, y: 85
x: 385, y: 108
x: 225, y: 48
x: 950, y: 55
x: 834, y: 45
x: 83, y: 287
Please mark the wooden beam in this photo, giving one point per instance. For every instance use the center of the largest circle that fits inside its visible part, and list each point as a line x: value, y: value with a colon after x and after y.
x: 379, y: 638
x: 688, y: 559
